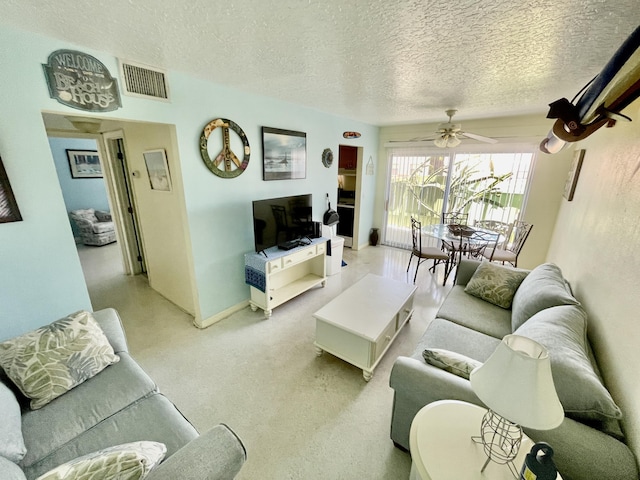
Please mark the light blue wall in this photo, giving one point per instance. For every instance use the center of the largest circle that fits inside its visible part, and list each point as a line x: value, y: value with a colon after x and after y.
x: 41, y: 276
x: 77, y: 192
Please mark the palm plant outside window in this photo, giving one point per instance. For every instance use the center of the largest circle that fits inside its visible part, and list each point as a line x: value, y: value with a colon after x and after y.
x: 425, y: 183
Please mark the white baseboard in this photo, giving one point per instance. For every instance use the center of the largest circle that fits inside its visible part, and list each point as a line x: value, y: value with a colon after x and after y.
x: 207, y: 322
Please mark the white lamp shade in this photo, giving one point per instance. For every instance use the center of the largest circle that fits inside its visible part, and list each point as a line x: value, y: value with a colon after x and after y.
x: 516, y: 383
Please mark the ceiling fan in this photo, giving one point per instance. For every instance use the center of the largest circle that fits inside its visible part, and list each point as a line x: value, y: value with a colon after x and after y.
x: 449, y: 135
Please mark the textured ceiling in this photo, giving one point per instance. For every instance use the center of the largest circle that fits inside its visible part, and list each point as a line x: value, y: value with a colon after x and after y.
x: 382, y: 62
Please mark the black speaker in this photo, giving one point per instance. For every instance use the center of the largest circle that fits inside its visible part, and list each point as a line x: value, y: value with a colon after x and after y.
x: 317, y: 229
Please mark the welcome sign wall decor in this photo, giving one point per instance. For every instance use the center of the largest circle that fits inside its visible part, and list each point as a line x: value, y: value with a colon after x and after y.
x: 81, y: 81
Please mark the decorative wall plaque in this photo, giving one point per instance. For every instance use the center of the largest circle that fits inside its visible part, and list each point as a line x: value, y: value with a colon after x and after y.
x: 225, y: 164
x: 327, y: 157
x: 81, y: 81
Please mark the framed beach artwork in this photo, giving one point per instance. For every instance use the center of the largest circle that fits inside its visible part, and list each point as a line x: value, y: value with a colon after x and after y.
x: 158, y: 170
x: 284, y: 154
x: 574, y: 172
x: 84, y: 163
x: 8, y: 206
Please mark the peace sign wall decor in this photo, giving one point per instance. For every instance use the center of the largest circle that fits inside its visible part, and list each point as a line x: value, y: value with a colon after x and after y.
x: 226, y: 163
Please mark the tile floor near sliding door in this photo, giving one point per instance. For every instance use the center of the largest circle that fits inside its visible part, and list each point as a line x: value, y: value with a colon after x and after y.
x: 300, y: 416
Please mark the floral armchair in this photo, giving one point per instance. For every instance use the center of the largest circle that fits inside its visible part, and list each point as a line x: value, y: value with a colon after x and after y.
x: 95, y: 226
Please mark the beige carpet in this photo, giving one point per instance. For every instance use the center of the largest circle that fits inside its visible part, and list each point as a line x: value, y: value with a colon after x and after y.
x: 300, y: 416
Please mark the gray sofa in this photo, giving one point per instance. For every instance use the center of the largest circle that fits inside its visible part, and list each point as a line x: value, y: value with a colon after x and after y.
x: 121, y: 404
x: 589, y: 444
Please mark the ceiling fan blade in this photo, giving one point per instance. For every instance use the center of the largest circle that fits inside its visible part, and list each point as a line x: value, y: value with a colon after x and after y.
x: 480, y: 138
x: 422, y: 139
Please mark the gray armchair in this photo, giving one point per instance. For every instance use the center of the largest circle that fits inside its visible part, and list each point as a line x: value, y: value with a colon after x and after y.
x: 95, y: 226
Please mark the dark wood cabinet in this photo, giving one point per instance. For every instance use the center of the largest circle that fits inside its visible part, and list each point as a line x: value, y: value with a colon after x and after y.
x: 348, y: 157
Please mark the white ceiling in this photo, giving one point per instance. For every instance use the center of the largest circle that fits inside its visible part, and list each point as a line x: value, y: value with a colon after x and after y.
x: 382, y: 62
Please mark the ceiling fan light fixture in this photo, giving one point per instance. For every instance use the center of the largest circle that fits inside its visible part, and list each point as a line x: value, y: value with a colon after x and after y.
x: 453, y: 142
x: 85, y: 125
x: 441, y: 142
x: 447, y: 141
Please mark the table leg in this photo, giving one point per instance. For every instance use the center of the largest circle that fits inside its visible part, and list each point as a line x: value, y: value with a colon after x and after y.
x: 367, y: 374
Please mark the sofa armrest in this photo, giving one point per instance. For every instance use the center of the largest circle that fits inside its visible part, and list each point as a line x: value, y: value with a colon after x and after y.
x: 584, y: 452
x: 466, y: 269
x: 217, y: 455
x: 417, y: 384
x: 424, y: 382
x: 109, y: 321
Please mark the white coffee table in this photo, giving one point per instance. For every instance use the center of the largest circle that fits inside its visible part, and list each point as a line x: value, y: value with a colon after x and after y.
x: 360, y: 324
x: 442, y: 449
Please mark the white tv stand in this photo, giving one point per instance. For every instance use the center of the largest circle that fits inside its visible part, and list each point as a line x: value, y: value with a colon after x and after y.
x: 277, y: 276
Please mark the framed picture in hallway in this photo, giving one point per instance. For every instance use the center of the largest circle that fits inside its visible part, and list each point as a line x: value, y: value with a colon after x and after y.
x: 284, y: 154
x: 84, y: 163
x: 8, y: 206
x: 158, y: 170
x: 574, y: 172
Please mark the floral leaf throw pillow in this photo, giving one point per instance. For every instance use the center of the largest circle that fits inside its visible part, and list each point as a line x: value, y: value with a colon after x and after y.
x: 53, y: 359
x: 451, y: 362
x: 130, y: 461
x: 495, y: 284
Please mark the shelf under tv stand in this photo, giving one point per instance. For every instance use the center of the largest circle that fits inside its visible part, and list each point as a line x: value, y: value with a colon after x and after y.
x: 276, y: 276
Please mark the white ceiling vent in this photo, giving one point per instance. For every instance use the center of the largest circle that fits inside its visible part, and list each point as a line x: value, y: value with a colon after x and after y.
x: 143, y: 81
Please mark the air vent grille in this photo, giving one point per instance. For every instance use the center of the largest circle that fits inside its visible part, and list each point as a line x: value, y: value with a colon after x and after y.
x: 140, y: 80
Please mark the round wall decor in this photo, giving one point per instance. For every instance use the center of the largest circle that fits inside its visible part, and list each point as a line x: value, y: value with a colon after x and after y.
x: 327, y: 157
x: 226, y: 163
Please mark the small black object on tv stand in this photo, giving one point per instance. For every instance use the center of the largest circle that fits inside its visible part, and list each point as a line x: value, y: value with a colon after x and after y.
x: 288, y: 245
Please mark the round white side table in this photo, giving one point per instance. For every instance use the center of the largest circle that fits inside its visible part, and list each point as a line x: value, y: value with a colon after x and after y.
x: 442, y: 449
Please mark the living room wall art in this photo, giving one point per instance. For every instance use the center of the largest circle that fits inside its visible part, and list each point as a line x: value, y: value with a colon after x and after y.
x: 217, y: 153
x: 84, y: 163
x: 158, y: 170
x: 284, y: 154
x: 81, y: 81
x: 574, y: 172
x: 9, y: 211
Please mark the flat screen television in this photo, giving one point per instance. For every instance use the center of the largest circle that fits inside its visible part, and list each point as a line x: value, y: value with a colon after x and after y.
x: 285, y: 222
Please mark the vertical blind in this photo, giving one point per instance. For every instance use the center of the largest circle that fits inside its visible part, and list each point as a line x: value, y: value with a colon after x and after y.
x: 424, y: 182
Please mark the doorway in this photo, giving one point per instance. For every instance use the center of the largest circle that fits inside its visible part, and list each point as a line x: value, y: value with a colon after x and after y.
x: 349, y: 187
x: 151, y: 225
x: 107, y: 191
x: 123, y: 200
x: 424, y: 183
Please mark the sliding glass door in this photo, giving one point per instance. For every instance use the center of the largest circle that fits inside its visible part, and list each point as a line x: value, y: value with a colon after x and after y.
x: 426, y: 182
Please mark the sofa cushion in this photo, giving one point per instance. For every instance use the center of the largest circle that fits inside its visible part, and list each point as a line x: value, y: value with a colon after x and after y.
x: 544, y: 287
x: 88, y: 214
x: 82, y: 409
x: 11, y: 441
x: 131, y: 461
x: 103, y: 216
x: 10, y: 471
x: 447, y: 335
x: 53, y: 359
x: 451, y: 362
x: 464, y: 309
x: 495, y: 284
x: 562, y: 330
x: 102, y: 227
x: 153, y: 418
